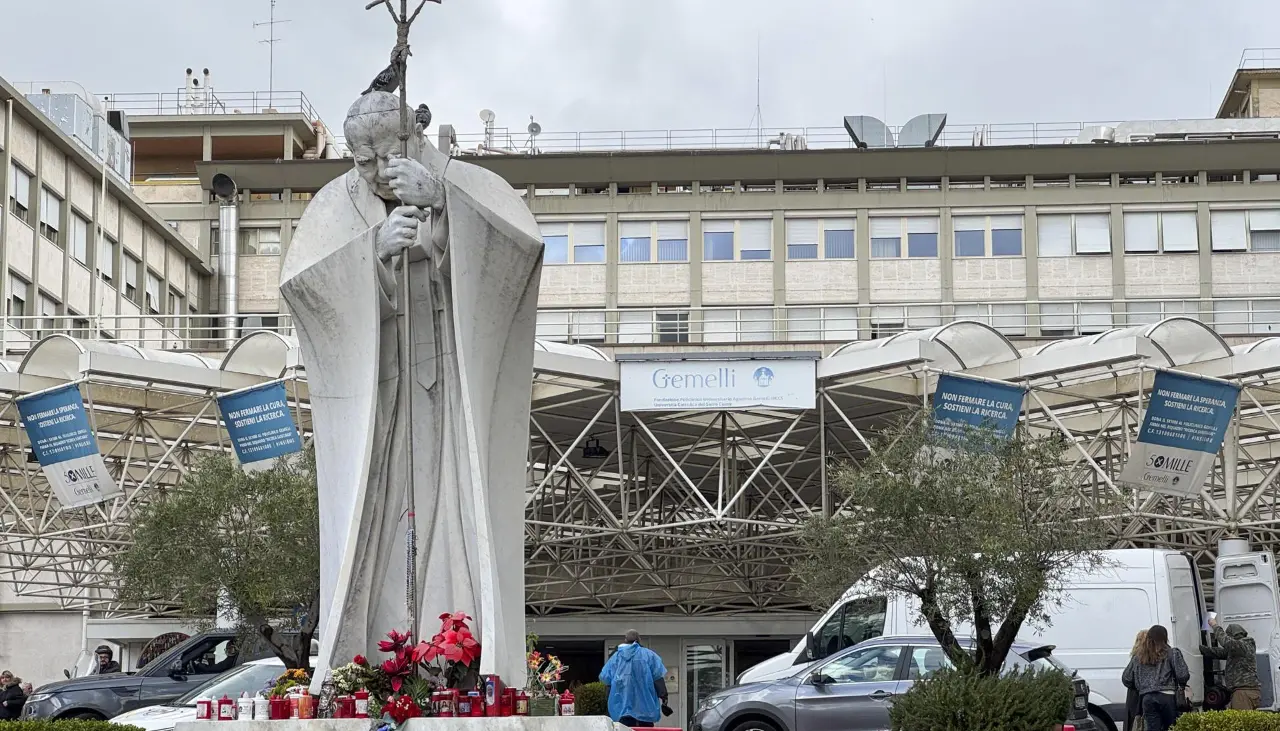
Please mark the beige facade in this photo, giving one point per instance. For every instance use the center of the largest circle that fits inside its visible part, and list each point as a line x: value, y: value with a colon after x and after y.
x: 78, y: 258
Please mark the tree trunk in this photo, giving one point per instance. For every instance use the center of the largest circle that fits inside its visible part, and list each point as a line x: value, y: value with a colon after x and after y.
x: 941, y: 628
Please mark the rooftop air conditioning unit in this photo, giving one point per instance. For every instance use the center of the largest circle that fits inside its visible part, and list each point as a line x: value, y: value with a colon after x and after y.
x: 1100, y: 134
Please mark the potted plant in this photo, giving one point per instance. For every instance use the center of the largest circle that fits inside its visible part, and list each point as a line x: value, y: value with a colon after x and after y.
x: 544, y: 673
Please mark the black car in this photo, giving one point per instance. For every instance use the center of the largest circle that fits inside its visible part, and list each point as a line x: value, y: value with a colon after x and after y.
x: 161, y: 680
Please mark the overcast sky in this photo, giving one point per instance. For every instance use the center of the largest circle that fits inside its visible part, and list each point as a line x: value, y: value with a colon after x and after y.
x: 672, y: 64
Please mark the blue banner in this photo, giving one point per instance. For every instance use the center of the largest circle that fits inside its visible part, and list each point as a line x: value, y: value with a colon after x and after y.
x: 1185, y: 424
x: 961, y: 404
x: 259, y: 423
x: 58, y: 428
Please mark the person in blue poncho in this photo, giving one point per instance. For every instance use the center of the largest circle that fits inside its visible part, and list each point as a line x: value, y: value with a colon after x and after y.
x: 637, y: 685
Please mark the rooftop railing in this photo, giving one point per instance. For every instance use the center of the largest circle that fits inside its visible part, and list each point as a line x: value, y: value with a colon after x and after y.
x: 205, y: 101
x: 970, y: 135
x: 1260, y: 58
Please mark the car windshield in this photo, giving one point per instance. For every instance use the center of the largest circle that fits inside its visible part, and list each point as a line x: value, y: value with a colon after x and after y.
x: 250, y: 679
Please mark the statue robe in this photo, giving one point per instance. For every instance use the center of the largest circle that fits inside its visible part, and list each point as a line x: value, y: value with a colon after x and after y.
x: 474, y: 298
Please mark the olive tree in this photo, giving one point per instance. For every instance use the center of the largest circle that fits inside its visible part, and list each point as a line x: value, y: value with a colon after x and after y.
x: 232, y: 542
x: 982, y: 533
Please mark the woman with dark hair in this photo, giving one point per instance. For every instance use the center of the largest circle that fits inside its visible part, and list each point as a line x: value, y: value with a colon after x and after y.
x: 1158, y: 673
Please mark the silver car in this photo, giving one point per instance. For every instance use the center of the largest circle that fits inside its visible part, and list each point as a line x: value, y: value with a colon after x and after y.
x: 852, y: 690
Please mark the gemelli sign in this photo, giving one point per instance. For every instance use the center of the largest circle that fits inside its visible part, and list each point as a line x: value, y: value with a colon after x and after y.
x: 721, y: 385
x: 1186, y: 421
x: 66, y: 447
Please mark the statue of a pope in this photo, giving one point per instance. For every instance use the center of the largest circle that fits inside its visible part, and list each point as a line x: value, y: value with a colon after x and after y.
x: 475, y: 258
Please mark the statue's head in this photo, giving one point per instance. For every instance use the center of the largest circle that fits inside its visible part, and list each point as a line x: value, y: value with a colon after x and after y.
x: 372, y: 129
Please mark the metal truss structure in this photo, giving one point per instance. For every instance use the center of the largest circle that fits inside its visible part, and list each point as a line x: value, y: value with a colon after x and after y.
x: 648, y: 512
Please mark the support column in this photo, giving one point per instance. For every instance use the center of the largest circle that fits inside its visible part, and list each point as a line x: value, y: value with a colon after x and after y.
x: 612, y: 254
x: 946, y: 266
x: 1204, y: 233
x: 1031, y: 255
x: 1118, y: 311
x: 779, y: 253
x: 206, y: 143
x: 6, y: 159
x: 862, y: 256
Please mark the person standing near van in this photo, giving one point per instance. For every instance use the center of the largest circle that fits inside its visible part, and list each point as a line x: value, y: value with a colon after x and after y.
x: 1241, y: 673
x: 1132, y: 701
x: 1159, y: 673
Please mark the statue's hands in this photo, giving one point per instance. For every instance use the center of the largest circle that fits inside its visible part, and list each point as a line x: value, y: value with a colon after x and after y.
x: 399, y: 231
x: 414, y: 184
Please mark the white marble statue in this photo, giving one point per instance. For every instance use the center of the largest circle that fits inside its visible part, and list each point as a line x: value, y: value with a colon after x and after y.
x: 476, y: 257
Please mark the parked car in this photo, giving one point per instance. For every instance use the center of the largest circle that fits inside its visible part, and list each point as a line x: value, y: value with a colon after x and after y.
x: 852, y: 690
x: 169, y: 676
x: 1093, y: 627
x: 250, y: 678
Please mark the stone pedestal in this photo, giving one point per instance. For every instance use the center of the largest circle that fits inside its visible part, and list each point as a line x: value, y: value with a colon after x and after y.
x: 509, y: 723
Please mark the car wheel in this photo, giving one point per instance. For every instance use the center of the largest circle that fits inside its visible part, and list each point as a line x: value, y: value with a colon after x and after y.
x: 755, y: 724
x: 1102, y: 724
x: 84, y: 716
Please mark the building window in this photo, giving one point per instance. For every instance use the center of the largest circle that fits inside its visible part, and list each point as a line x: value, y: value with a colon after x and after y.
x: 887, y: 320
x: 1246, y: 317
x: 1149, y: 312
x: 573, y: 243
x: 19, y: 295
x: 153, y: 293
x: 214, y: 241
x: 1065, y: 234
x: 48, y: 316
x: 673, y: 327
x: 79, y: 239
x: 731, y: 325
x: 920, y: 232
x: 107, y: 259
x: 79, y: 326
x: 20, y: 193
x: 131, y: 267
x: 1068, y: 319
x: 50, y: 216
x: 1010, y: 319
x: 748, y: 240
x: 635, y: 241
x: 175, y: 303
x: 258, y: 322
x: 814, y: 238
x: 987, y: 235
x: 1154, y: 232
x: 259, y: 241
x: 1256, y: 230
x: 838, y: 324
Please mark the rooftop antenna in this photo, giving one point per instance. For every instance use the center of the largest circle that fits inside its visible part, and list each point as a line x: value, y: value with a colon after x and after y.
x: 758, y: 117
x: 271, y: 42
x: 487, y: 116
x: 535, y: 129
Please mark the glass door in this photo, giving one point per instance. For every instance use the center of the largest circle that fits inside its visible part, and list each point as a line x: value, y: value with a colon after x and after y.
x: 706, y: 670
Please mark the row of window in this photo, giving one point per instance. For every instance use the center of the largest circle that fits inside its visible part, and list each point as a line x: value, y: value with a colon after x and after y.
x: 251, y: 241
x: 77, y: 242
x: 845, y: 323
x: 913, y: 237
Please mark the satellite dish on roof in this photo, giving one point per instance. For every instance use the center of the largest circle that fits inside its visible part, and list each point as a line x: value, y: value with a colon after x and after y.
x: 487, y: 116
x: 535, y: 129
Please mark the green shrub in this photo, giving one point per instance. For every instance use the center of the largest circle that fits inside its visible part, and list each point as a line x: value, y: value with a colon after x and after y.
x: 1229, y: 721
x: 591, y: 699
x: 68, y: 725
x: 956, y: 700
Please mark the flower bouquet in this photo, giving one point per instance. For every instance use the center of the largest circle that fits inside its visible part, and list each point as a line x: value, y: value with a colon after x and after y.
x: 543, y: 673
x: 451, y: 659
x: 290, y: 681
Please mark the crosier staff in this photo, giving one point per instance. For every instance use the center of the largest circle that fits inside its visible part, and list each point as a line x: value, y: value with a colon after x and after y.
x: 396, y: 75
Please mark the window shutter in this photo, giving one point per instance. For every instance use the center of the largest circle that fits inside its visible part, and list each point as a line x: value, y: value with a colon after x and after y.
x: 968, y: 223
x: 634, y: 230
x: 588, y: 234
x: 757, y: 235
x: 1055, y: 235
x: 1179, y: 231
x: 1227, y: 230
x: 554, y: 229
x: 802, y: 231
x: 1006, y: 223
x: 839, y: 224
x: 922, y: 225
x: 1140, y: 233
x: 1093, y: 233
x: 668, y: 230
x: 1264, y: 220
x: 886, y: 228
x: 717, y: 226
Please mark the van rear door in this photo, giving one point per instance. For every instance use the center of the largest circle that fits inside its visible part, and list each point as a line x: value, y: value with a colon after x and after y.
x: 1244, y: 588
x: 1186, y: 617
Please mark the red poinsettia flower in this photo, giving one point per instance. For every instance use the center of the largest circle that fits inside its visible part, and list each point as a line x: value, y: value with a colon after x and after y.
x: 459, y: 646
x: 397, y: 669
x: 361, y: 661
x: 427, y: 651
x: 456, y: 620
x: 397, y: 641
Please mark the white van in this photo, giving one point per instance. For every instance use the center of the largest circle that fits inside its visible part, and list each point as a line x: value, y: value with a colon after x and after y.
x: 1093, y: 630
